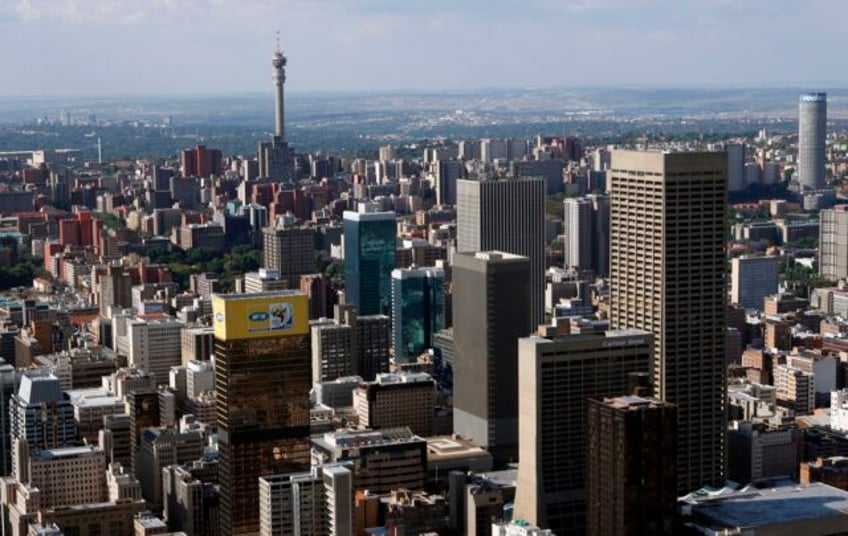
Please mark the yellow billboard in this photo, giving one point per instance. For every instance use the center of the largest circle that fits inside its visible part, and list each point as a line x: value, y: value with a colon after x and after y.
x: 265, y: 314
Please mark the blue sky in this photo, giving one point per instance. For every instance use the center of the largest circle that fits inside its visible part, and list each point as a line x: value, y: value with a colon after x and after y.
x: 109, y: 47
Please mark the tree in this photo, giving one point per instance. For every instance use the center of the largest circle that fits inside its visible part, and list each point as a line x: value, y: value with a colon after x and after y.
x: 200, y: 255
x: 335, y: 274
x: 110, y: 220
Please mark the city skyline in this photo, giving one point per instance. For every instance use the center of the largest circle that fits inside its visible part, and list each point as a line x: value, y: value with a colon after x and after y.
x: 419, y: 338
x: 131, y: 47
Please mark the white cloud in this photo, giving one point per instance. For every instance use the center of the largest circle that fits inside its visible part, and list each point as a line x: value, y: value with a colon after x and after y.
x: 26, y: 10
x: 98, y: 11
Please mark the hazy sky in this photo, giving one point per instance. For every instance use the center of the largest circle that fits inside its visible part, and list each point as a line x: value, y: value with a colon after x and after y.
x: 107, y: 47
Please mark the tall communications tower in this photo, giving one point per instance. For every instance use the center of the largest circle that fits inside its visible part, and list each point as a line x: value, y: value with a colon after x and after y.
x: 279, y: 63
x: 276, y: 158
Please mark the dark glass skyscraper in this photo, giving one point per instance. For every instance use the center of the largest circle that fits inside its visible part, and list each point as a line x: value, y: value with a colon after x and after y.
x: 418, y: 310
x: 262, y: 383
x: 369, y: 250
x: 812, y: 133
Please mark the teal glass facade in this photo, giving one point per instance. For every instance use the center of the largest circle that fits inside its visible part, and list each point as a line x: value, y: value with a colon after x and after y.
x: 369, y: 249
x: 418, y: 310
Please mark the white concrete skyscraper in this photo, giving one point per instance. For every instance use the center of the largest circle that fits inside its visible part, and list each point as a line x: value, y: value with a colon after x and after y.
x: 586, y: 229
x: 812, y: 131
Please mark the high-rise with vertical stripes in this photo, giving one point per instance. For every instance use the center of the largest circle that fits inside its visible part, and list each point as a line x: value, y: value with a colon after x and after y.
x: 668, y: 276
x: 812, y: 134
x: 506, y: 215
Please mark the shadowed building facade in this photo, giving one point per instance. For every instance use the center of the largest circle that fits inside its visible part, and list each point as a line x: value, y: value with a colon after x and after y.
x: 506, y: 215
x: 491, y: 311
x: 556, y: 377
x: 631, y: 476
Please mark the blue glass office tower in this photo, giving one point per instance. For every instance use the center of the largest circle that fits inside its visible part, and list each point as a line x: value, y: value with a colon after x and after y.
x: 369, y: 249
x: 418, y: 310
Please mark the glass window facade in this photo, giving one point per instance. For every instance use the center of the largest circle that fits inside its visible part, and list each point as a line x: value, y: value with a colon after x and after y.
x: 369, y: 246
x: 418, y: 310
x: 263, y: 419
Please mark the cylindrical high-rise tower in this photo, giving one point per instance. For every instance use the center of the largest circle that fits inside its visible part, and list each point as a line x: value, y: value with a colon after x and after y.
x: 279, y: 63
x: 812, y: 130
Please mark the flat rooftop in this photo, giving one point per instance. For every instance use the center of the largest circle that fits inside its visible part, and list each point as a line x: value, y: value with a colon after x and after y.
x: 751, y: 508
x: 448, y: 447
x: 365, y: 438
x: 68, y: 452
x: 96, y: 396
x: 257, y: 295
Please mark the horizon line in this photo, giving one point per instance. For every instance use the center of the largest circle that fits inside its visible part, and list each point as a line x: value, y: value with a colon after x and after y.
x: 787, y: 86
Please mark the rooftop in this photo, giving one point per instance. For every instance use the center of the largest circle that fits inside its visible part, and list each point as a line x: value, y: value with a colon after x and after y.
x: 39, y: 387
x: 94, y: 397
x: 365, y: 438
x: 752, y: 508
x: 258, y: 295
x: 369, y: 216
x: 391, y: 378
x: 68, y: 452
x: 447, y: 447
x: 631, y: 402
x: 497, y: 256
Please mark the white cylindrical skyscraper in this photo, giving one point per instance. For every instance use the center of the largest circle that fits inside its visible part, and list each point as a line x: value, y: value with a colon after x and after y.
x: 812, y: 131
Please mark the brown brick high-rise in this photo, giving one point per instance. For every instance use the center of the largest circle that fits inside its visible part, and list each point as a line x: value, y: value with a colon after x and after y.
x: 631, y: 478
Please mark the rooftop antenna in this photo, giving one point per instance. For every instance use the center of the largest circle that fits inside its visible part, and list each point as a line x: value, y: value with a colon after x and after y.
x: 278, y: 42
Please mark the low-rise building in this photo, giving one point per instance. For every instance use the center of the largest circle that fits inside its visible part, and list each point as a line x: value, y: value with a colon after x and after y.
x: 795, y: 388
x: 832, y: 471
x: 319, y: 501
x: 782, y: 509
x: 397, y: 399
x: 757, y: 453
x: 381, y: 460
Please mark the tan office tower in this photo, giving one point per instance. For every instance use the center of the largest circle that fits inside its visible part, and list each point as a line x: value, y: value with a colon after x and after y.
x: 668, y: 276
x: 556, y: 377
x: 290, y: 251
x: 833, y: 243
